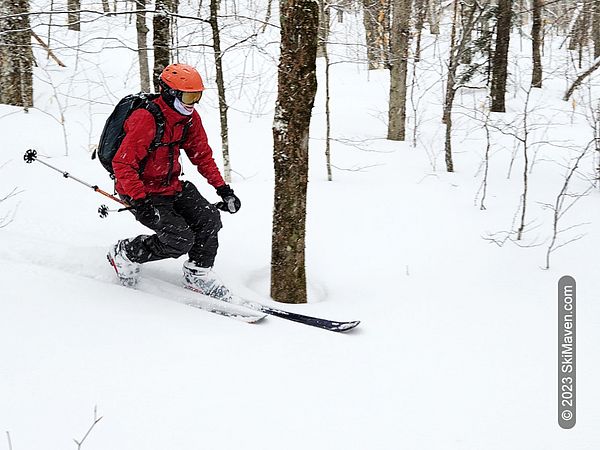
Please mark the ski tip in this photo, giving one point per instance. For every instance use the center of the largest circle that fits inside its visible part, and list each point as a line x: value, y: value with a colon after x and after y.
x: 257, y: 319
x: 347, y: 326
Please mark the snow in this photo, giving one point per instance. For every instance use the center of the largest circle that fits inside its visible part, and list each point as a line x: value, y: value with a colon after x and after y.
x: 457, y: 344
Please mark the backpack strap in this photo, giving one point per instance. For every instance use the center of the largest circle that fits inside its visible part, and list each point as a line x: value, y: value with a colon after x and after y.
x: 159, y: 121
x: 172, y: 145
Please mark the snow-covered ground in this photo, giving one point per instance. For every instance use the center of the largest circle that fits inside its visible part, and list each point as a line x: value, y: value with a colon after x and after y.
x: 457, y: 345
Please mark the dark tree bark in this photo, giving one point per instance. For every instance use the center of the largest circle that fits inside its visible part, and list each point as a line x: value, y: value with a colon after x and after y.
x: 451, y: 89
x: 596, y: 29
x: 16, y: 56
x: 580, y: 79
x: 466, y: 12
x: 400, y: 39
x: 585, y: 28
x: 161, y: 38
x: 297, y: 86
x: 536, y: 37
x: 214, y: 24
x: 73, y: 17
x: 500, y: 61
x: 457, y: 47
x: 142, y: 41
x: 420, y: 8
x: 376, y: 18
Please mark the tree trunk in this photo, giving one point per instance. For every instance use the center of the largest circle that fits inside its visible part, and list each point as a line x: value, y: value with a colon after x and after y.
x: 435, y: 16
x: 451, y: 90
x: 161, y: 38
x: 297, y: 86
x: 142, y: 41
x: 466, y: 13
x: 16, y: 56
x: 214, y: 24
x: 596, y: 29
x: 585, y: 28
x: 500, y: 63
x: 73, y: 16
x: 376, y: 18
x: 400, y: 39
x: 324, y: 12
x: 536, y: 37
x: 420, y: 8
x: 575, y: 26
x: 580, y: 79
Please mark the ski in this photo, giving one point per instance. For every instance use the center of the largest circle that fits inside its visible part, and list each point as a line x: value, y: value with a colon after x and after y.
x: 325, y: 324
x: 199, y: 301
x: 195, y: 299
x: 226, y: 310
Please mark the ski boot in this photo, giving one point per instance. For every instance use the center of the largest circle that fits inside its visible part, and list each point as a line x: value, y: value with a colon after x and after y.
x: 204, y: 281
x: 127, y: 270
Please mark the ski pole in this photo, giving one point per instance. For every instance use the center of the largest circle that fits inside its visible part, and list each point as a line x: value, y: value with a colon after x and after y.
x: 31, y: 156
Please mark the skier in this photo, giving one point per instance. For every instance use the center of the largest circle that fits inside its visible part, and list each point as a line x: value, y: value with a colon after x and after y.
x: 184, y: 222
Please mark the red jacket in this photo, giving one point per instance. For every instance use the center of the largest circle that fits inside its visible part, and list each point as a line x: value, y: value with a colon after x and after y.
x: 140, y: 129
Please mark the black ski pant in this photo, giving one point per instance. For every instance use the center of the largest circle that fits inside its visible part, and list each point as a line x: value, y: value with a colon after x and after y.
x: 188, y: 223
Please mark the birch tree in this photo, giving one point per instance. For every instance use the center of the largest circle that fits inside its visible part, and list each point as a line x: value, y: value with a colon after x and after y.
x: 297, y: 86
x: 16, y: 56
x: 161, y: 38
x: 376, y: 19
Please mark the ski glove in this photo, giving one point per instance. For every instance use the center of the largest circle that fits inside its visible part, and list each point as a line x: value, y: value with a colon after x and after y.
x: 231, y: 203
x: 145, y: 211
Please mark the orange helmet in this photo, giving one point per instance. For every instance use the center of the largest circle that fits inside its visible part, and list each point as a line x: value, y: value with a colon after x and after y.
x: 182, y: 77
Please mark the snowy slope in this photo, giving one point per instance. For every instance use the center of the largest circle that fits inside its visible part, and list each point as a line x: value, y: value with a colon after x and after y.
x: 456, y: 349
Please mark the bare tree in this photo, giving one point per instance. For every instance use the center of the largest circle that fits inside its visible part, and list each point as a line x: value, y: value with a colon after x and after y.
x: 454, y: 82
x: 16, y: 56
x: 451, y: 89
x: 435, y: 15
x: 223, y: 107
x: 580, y: 79
x: 297, y: 86
x: 324, y: 12
x: 142, y: 41
x: 536, y: 39
x: 95, y: 422
x: 564, y: 201
x: 400, y: 39
x: 6, y: 218
x: 161, y: 38
x: 596, y: 29
x: 420, y: 8
x: 325, y: 54
x: 500, y: 64
x: 74, y: 16
x: 376, y: 18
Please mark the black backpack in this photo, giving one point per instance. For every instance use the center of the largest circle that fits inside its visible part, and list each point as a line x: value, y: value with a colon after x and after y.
x: 113, y: 132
